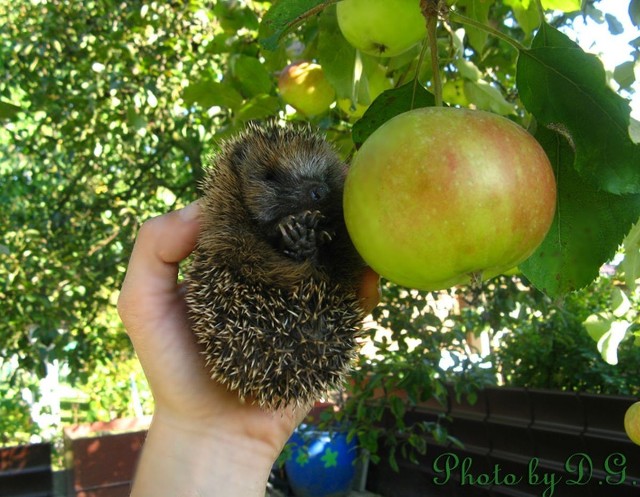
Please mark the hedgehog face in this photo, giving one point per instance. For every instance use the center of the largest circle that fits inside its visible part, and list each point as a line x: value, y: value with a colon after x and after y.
x: 283, y: 174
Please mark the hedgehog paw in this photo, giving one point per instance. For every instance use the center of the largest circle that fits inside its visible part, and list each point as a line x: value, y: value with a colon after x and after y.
x: 298, y: 234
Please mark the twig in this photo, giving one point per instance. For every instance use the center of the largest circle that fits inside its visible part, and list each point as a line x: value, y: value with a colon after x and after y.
x: 455, y: 16
x: 430, y: 10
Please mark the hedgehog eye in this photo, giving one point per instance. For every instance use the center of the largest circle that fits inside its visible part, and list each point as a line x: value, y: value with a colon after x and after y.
x: 270, y: 177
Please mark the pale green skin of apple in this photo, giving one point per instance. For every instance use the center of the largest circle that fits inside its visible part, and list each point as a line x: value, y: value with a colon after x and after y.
x: 305, y: 87
x: 437, y: 197
x: 632, y: 423
x: 381, y: 27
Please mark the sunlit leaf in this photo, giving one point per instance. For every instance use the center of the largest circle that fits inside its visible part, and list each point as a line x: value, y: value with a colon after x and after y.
x: 631, y: 261
x: 285, y: 14
x: 487, y: 97
x: 608, y: 333
x: 620, y: 303
x: 563, y: 5
x: 526, y: 14
x: 609, y: 342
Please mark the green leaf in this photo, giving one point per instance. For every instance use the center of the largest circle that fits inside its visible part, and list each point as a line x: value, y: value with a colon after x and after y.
x: 563, y: 86
x: 634, y: 12
x: 260, y: 107
x: 233, y: 17
x: 631, y: 261
x: 389, y: 104
x: 487, y: 97
x: 7, y: 110
x: 479, y: 11
x: 620, y: 303
x: 588, y: 227
x: 468, y: 69
x: 608, y: 333
x: 634, y: 131
x: 136, y: 121
x: 208, y: 93
x: 615, y: 27
x: 563, y: 5
x: 624, y: 74
x: 526, y: 14
x: 284, y: 15
x: 336, y: 55
x: 251, y: 75
x: 397, y: 408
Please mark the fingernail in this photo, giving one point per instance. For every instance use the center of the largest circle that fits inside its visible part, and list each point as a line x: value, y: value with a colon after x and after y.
x: 190, y: 212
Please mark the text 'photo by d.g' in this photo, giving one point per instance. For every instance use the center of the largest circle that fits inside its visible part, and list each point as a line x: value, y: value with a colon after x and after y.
x: 271, y: 291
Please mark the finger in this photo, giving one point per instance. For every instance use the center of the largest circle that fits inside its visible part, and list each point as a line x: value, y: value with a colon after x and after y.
x: 161, y: 244
x: 369, y: 291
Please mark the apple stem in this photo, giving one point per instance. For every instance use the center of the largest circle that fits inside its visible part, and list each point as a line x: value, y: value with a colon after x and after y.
x: 430, y: 9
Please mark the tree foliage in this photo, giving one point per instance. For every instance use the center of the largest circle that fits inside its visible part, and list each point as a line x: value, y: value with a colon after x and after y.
x: 110, y: 109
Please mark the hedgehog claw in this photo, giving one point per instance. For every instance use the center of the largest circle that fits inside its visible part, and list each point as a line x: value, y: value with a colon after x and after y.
x: 311, y: 218
x: 325, y: 237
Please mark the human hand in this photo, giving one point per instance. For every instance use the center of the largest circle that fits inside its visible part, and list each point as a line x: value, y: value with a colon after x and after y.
x: 194, y: 416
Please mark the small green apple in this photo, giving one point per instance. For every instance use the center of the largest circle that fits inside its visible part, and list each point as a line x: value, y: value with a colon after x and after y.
x: 304, y: 86
x: 632, y: 423
x: 453, y: 93
x: 437, y: 197
x: 382, y: 27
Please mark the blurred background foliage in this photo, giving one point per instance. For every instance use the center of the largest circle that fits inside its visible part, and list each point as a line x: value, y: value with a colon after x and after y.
x: 109, y: 110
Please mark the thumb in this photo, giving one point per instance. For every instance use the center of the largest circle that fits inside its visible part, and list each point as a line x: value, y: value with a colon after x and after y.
x: 151, y: 278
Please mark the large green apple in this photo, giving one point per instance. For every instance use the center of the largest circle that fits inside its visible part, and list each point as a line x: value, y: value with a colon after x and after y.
x: 304, y: 86
x: 382, y: 27
x: 632, y: 422
x: 438, y: 196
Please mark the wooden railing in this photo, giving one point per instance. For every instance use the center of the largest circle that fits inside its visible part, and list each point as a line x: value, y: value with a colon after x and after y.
x: 25, y: 471
x: 522, y: 443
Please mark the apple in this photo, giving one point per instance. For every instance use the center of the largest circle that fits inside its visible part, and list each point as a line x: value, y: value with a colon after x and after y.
x: 632, y: 423
x: 453, y: 92
x: 437, y: 197
x: 304, y: 87
x: 381, y: 27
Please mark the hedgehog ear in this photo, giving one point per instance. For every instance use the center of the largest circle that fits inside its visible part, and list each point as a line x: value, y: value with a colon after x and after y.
x: 238, y: 154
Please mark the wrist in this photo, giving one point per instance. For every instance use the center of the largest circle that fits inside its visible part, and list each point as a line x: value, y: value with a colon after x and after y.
x: 182, y: 460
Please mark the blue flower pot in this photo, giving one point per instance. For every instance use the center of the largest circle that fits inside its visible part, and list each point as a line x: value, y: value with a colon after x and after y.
x: 321, y: 464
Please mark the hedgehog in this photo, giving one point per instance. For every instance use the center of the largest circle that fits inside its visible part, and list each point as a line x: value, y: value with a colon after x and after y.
x: 271, y: 288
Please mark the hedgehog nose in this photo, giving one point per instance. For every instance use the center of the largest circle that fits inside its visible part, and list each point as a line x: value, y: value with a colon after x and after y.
x: 318, y: 192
